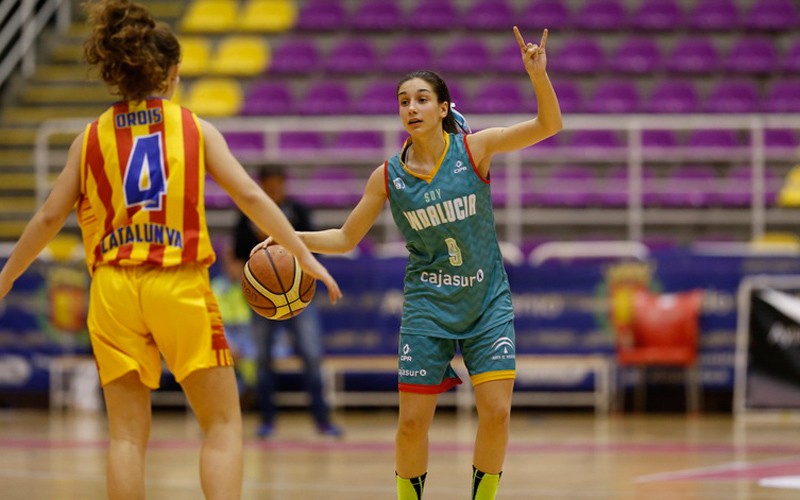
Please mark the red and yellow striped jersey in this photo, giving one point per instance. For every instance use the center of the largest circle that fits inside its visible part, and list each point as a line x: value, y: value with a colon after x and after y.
x: 142, y: 183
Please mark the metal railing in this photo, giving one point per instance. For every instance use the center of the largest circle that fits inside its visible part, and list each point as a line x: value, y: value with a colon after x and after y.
x: 22, y: 22
x: 512, y: 214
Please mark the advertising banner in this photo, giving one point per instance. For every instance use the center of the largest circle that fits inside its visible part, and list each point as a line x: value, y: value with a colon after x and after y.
x: 772, y: 356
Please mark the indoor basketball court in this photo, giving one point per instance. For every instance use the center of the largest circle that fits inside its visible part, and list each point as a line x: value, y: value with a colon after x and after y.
x: 551, y: 456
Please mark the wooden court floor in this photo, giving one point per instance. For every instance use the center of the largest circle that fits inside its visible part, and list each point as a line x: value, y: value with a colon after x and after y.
x: 551, y: 456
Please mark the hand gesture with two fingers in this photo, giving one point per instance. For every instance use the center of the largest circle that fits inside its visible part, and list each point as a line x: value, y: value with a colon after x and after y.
x: 533, y: 56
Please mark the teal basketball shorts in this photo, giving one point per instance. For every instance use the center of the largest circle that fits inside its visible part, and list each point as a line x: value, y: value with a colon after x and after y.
x: 425, y: 362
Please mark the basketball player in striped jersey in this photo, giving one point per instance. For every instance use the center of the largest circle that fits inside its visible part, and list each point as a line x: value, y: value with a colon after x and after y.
x: 136, y: 178
x: 456, y: 289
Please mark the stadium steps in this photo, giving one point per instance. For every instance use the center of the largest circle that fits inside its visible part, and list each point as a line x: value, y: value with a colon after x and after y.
x: 26, y: 137
x: 68, y: 94
x: 61, y: 87
x: 61, y: 73
x: 34, y: 115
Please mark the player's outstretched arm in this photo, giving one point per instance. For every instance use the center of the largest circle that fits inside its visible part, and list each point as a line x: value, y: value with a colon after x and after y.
x: 47, y: 221
x: 358, y: 223
x: 491, y: 141
x: 254, y: 202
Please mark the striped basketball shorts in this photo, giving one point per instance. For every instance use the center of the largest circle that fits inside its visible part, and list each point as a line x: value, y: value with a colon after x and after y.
x: 138, y: 313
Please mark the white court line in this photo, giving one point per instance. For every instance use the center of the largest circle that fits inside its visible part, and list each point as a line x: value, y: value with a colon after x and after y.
x: 332, y: 492
x: 729, y: 467
x: 790, y: 482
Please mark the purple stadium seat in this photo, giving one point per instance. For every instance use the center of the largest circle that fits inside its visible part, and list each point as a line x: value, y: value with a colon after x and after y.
x: 378, y: 98
x: 489, y: 15
x: 351, y: 56
x: 589, y: 144
x: 602, y: 15
x: 657, y: 15
x: 432, y: 15
x: 781, y: 143
x: 791, y: 60
x: 405, y: 55
x: 689, y: 186
x: 714, y: 15
x: 579, y: 55
x: 736, y: 190
x: 301, y: 142
x: 614, y: 96
x: 673, y: 96
x: 508, y: 59
x: 268, y: 98
x: 567, y: 186
x: 540, y: 14
x: 459, y: 97
x: 500, y: 96
x: 359, y: 143
x: 321, y: 15
x: 499, y: 181
x: 713, y: 143
x: 331, y: 187
x: 595, y: 139
x: 570, y: 97
x: 638, y: 55
x: 465, y: 55
x: 542, y: 149
x: 733, y: 96
x: 613, y: 191
x: 658, y: 139
x: 783, y: 96
x: 376, y: 15
x: 659, y: 143
x: 693, y: 55
x: 298, y: 56
x: 326, y: 98
x: 772, y: 15
x: 244, y: 143
x: 752, y: 55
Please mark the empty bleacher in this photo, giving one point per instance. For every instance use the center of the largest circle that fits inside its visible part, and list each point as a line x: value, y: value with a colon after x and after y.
x: 291, y: 64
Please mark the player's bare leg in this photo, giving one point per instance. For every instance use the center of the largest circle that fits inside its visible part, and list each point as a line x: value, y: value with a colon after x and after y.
x: 214, y: 397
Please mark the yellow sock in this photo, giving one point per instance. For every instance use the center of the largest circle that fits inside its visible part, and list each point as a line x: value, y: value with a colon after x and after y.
x: 410, y: 489
x: 484, y: 486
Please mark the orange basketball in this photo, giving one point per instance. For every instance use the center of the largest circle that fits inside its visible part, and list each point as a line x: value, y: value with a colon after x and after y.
x: 275, y: 285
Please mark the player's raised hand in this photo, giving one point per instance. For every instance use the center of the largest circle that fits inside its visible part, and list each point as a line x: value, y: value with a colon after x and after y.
x: 534, y: 56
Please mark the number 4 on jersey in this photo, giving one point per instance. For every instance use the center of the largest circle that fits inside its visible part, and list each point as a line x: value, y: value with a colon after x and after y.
x: 145, y: 179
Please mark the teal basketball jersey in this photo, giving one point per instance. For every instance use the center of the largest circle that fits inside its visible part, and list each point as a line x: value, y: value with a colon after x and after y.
x: 455, y: 282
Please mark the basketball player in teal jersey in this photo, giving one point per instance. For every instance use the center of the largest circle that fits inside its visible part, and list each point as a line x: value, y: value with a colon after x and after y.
x: 456, y: 288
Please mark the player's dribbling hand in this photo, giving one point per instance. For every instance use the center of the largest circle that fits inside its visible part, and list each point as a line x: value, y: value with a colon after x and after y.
x: 313, y: 267
x: 533, y: 56
x: 261, y: 246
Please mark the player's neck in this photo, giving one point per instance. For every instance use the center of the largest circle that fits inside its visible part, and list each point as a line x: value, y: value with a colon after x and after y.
x: 426, y: 150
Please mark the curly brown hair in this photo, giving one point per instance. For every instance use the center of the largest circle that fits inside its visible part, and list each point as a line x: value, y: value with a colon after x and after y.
x: 132, y: 51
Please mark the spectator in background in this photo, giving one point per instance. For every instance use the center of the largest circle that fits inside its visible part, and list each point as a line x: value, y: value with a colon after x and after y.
x: 236, y: 318
x: 304, y: 329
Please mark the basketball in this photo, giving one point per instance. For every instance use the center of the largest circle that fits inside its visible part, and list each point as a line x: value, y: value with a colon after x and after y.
x: 275, y: 285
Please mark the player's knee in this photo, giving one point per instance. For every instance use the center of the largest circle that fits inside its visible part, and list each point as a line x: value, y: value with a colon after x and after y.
x: 497, y: 416
x: 412, y: 426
